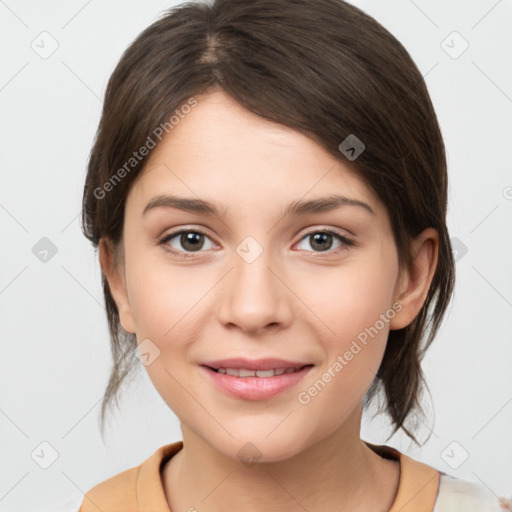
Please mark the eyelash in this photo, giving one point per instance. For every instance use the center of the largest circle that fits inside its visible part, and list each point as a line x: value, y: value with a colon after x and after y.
x: 342, y: 238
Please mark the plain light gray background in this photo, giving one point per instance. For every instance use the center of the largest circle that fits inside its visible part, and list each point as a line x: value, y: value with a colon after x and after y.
x: 54, y: 352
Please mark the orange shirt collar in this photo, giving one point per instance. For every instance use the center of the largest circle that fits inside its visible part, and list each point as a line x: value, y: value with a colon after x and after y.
x: 417, y: 491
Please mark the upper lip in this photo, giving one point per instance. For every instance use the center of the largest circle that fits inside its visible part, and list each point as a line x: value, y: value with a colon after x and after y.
x: 255, y: 364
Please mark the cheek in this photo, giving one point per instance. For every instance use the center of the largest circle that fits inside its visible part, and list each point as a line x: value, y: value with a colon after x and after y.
x: 164, y: 308
x: 354, y: 308
x: 349, y: 299
x: 163, y: 297
x: 359, y: 315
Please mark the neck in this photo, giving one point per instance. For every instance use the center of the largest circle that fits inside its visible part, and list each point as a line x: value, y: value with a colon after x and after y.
x: 337, y: 473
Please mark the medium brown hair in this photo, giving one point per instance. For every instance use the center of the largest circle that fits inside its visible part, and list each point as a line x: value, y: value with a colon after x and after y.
x: 323, y: 68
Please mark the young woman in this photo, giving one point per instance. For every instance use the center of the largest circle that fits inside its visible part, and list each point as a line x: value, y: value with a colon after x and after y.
x: 268, y: 191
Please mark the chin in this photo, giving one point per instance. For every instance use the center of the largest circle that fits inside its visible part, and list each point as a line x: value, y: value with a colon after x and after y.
x: 253, y: 449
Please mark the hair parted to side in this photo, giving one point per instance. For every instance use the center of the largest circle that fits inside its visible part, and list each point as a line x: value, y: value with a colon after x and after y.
x: 323, y: 68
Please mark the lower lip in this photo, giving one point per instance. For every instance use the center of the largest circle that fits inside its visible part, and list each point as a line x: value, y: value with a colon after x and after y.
x: 256, y: 388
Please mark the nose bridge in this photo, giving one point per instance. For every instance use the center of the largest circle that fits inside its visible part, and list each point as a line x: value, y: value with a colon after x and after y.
x: 253, y: 297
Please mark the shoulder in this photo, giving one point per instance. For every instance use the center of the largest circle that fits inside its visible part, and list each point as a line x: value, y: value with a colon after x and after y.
x: 139, y: 487
x: 120, y: 489
x: 457, y: 494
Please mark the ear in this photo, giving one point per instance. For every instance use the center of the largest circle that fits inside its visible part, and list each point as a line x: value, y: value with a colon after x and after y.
x: 414, y: 282
x: 117, y: 284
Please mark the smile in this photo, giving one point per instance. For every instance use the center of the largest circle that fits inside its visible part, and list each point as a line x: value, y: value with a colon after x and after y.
x: 243, y: 372
x: 253, y: 385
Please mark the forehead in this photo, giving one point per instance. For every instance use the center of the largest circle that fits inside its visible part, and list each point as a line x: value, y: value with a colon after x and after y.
x: 221, y: 151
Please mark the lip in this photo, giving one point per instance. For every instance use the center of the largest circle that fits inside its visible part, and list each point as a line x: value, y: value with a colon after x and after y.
x: 255, y: 388
x: 254, y: 364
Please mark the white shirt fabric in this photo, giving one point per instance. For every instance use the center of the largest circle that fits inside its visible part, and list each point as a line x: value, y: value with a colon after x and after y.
x: 456, y: 494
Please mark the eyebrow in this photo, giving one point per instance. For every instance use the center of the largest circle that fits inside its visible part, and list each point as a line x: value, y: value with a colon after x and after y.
x: 299, y: 207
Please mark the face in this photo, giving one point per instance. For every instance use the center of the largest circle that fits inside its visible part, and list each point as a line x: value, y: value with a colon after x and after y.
x: 256, y: 280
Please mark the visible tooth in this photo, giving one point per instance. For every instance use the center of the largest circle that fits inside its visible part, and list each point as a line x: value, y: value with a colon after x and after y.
x: 247, y: 373
x: 265, y: 373
x: 242, y: 372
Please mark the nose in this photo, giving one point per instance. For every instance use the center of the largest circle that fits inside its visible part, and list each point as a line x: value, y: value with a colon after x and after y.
x: 254, y: 296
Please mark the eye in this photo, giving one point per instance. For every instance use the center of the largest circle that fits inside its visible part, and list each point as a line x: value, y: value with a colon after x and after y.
x: 322, y: 240
x: 190, y: 240
x: 185, y: 242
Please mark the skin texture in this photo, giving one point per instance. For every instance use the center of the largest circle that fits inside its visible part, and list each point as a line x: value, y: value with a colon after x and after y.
x: 294, y: 302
